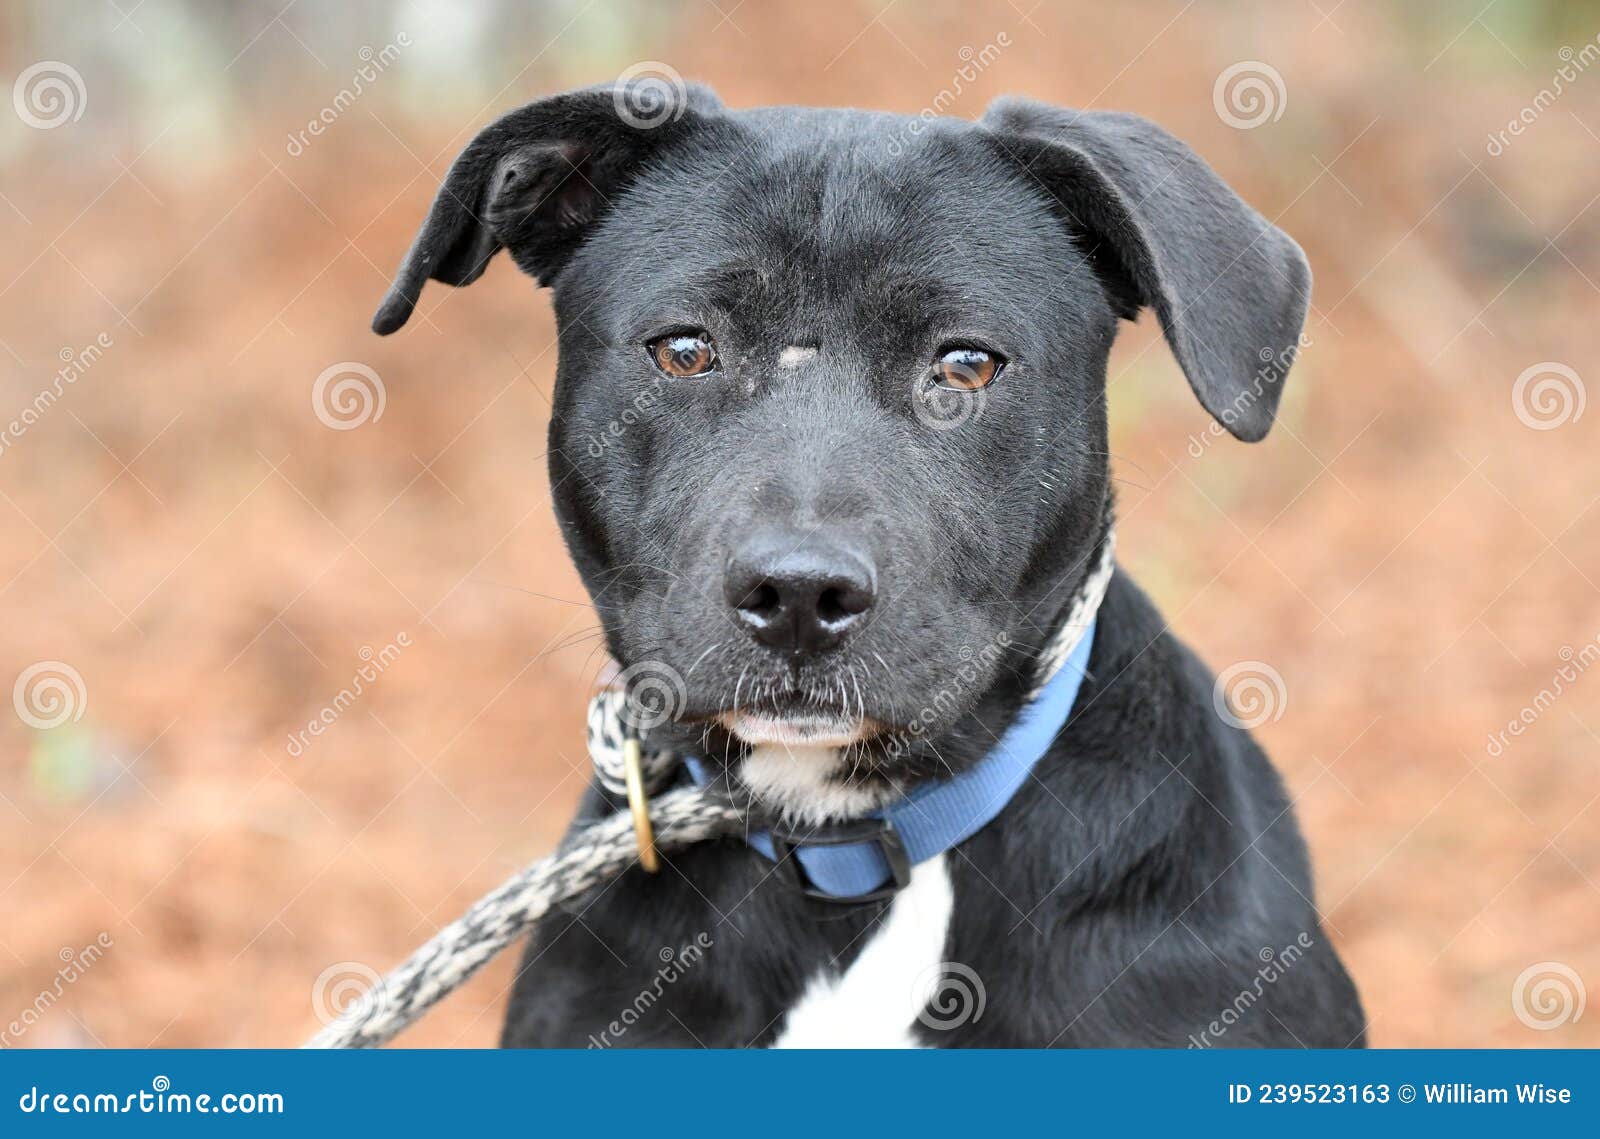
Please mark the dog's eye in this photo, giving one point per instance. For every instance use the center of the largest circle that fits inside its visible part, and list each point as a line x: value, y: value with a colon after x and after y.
x: 966, y: 369
x: 684, y: 354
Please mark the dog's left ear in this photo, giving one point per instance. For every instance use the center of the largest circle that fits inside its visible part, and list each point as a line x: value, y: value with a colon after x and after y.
x: 535, y: 180
x: 1230, y: 288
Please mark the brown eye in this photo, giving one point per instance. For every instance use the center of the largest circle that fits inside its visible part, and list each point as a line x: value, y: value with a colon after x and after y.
x: 684, y: 354
x: 966, y: 369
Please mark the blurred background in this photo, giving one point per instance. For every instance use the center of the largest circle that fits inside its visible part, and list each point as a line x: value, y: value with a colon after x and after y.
x: 229, y: 512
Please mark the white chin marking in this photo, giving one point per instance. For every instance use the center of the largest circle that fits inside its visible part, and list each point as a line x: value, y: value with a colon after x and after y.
x: 795, y: 763
x: 799, y: 782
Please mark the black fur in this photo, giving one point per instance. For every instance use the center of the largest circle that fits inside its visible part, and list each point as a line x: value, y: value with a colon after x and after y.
x: 1125, y: 896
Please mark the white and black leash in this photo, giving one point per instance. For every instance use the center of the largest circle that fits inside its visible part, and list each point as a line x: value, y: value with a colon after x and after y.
x: 670, y: 821
x: 681, y: 818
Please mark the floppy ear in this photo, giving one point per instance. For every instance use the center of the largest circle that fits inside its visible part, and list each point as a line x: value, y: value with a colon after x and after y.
x: 534, y: 180
x: 1230, y: 288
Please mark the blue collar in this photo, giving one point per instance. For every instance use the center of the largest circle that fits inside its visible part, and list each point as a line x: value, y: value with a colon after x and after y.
x: 871, y: 858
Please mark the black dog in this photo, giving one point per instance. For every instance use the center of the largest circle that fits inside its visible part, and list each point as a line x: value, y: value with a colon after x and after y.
x: 829, y: 449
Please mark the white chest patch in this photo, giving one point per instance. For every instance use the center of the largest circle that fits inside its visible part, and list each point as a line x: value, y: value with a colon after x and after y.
x: 875, y: 1002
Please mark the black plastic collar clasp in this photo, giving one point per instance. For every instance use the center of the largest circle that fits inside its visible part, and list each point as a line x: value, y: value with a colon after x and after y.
x: 880, y: 831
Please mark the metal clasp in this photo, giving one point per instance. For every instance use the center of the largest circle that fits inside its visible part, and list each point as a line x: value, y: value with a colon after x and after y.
x: 639, y: 803
x: 879, y: 831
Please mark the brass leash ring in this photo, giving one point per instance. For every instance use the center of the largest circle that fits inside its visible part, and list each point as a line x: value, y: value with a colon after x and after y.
x: 638, y: 803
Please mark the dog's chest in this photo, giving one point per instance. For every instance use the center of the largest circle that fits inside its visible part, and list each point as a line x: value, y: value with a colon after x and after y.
x: 878, y: 998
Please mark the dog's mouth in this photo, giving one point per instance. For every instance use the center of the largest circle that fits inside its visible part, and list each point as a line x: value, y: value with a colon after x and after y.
x: 809, y: 730
x: 795, y: 721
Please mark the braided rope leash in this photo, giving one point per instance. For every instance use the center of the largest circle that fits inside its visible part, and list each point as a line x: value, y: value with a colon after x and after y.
x: 603, y: 851
x: 597, y: 854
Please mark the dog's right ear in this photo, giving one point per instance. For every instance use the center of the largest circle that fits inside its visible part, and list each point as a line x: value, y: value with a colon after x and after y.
x: 535, y: 180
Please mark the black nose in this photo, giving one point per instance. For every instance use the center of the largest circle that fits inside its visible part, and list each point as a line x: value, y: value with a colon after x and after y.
x: 799, y: 592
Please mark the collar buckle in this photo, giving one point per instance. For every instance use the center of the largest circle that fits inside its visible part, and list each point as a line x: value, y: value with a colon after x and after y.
x: 786, y: 844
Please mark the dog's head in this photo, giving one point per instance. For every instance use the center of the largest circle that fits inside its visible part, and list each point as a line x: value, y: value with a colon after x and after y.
x: 829, y: 438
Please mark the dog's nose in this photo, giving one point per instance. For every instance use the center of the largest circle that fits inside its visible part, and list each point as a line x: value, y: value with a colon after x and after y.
x: 799, y: 592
